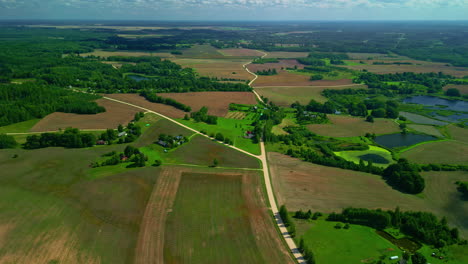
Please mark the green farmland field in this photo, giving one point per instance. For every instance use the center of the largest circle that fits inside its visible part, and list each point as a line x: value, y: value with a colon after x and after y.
x: 358, y: 244
x: 222, y: 226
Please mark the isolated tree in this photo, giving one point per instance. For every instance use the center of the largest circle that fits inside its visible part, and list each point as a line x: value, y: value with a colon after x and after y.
x: 7, y: 141
x: 370, y: 119
x: 418, y: 258
x: 452, y: 92
x: 215, y: 163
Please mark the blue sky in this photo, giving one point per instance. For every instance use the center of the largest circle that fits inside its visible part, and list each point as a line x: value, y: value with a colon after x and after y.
x: 236, y: 9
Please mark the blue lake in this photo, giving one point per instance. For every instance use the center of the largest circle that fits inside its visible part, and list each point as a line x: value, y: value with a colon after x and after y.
x: 436, y: 102
x: 402, y: 140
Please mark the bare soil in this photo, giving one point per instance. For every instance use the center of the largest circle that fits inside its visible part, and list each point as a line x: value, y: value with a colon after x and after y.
x: 141, y: 101
x: 217, y: 102
x: 115, y: 114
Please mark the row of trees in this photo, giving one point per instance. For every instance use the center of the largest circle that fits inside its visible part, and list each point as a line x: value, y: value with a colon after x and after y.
x: 70, y: 138
x: 287, y: 220
x: 420, y: 225
x: 202, y: 116
x: 153, y: 97
x: 268, y: 72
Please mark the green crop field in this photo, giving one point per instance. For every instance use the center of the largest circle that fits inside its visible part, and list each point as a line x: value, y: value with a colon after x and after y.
x: 21, y: 127
x: 374, y: 153
x: 222, y: 224
x: 358, y: 244
x: 230, y: 128
x: 51, y: 213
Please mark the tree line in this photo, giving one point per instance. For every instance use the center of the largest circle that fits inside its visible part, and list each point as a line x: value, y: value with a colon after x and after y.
x: 21, y: 102
x: 153, y: 97
x: 423, y: 226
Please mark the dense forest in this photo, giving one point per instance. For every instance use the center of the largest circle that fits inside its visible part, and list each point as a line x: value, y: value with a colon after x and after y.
x: 32, y: 100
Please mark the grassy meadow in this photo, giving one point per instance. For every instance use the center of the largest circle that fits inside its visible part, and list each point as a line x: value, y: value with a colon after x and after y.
x: 231, y: 128
x: 358, y: 244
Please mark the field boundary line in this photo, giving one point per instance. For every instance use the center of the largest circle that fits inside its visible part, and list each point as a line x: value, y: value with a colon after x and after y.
x: 311, y: 86
x: 54, y: 131
x: 202, y: 166
x: 269, y: 189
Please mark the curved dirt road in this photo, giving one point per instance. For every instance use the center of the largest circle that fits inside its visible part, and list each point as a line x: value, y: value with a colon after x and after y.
x: 266, y: 173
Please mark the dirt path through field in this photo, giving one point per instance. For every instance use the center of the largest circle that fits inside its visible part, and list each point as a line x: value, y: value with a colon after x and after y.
x: 150, y: 245
x: 266, y: 174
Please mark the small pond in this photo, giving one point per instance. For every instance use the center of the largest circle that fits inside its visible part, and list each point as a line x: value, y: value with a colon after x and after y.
x: 402, y: 140
x: 374, y: 158
x: 438, y: 103
x: 137, y: 77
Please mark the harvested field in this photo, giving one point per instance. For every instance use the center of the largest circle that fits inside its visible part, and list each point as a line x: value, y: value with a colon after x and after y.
x: 448, y: 152
x: 417, y: 67
x: 284, y: 78
x: 286, y: 54
x: 229, y: 222
x: 281, y: 64
x: 462, y: 88
x: 220, y: 68
x: 303, y: 185
x: 217, y: 102
x: 202, y: 151
x: 376, y: 56
x: 105, y: 54
x: 53, y: 218
x: 115, y: 114
x: 141, y: 101
x: 241, y: 52
x: 205, y: 51
x: 348, y: 126
x: 458, y: 133
x: 430, y: 130
x: 419, y: 119
x: 285, y: 96
x: 235, y: 115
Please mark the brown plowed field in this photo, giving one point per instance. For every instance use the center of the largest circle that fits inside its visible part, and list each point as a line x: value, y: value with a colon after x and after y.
x: 220, y: 68
x: 217, y: 102
x: 115, y: 114
x: 141, y: 101
x: 150, y: 243
x: 303, y: 185
x: 241, y: 52
x: 281, y: 64
x: 286, y: 54
x: 284, y: 78
x: 348, y: 126
x: 417, y: 67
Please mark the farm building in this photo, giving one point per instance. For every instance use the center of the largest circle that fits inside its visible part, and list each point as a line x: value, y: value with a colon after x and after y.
x: 394, y: 257
x: 122, y: 134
